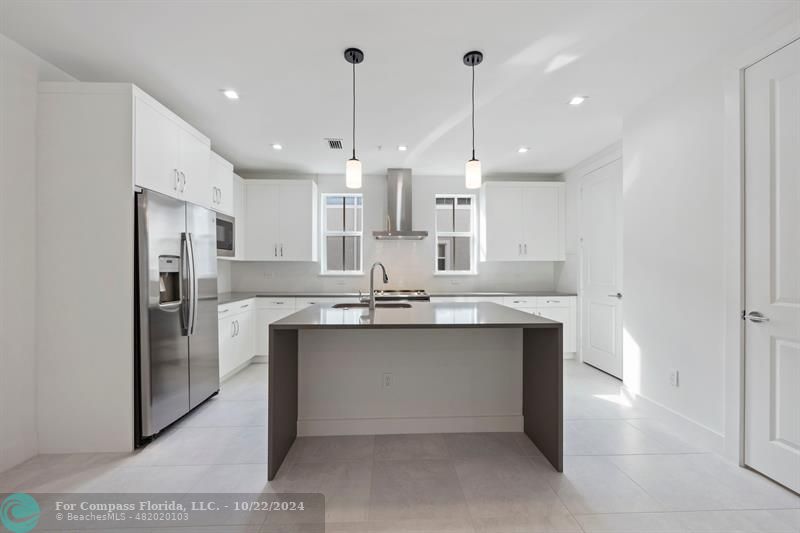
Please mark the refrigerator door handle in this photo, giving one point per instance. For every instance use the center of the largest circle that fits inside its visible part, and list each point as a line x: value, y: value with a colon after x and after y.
x: 185, y: 290
x: 192, y: 285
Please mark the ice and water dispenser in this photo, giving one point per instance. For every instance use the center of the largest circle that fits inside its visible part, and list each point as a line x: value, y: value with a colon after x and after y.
x: 169, y: 279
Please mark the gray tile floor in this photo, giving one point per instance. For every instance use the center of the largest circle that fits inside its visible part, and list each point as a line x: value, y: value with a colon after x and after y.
x: 624, y: 471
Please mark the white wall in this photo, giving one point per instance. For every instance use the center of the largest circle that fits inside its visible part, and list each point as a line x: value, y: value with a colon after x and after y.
x: 409, y: 264
x: 20, y: 72
x: 673, y: 247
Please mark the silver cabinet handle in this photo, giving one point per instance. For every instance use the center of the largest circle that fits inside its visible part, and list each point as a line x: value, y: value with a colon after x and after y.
x: 281, y: 249
x: 755, y: 316
x: 618, y: 296
x: 276, y: 250
x: 278, y: 303
x: 245, y: 306
x: 177, y: 178
x: 525, y: 246
x: 519, y: 251
x: 183, y: 180
x: 237, y: 328
x: 224, y: 311
x: 233, y: 328
x: 219, y: 196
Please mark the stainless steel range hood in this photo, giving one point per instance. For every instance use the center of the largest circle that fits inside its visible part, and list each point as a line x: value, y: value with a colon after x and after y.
x: 398, y: 218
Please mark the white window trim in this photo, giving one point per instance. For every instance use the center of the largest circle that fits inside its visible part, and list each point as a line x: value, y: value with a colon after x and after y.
x: 325, y: 233
x: 471, y: 234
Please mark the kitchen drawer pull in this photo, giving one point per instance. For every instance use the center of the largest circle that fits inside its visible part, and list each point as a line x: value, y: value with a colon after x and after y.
x: 223, y: 311
x: 245, y: 306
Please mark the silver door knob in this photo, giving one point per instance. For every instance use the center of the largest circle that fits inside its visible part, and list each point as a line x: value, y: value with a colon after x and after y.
x: 755, y: 316
x: 618, y: 296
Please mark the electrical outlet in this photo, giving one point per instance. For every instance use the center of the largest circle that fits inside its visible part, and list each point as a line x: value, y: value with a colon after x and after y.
x: 387, y: 380
x: 674, y: 378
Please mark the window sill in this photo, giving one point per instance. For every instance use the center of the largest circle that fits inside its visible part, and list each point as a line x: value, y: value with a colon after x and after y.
x: 341, y: 274
x: 446, y: 274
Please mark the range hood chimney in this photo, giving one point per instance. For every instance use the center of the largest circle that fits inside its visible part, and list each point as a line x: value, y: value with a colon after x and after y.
x: 398, y: 218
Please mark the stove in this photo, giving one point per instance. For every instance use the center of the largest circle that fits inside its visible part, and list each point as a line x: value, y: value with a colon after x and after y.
x: 414, y: 295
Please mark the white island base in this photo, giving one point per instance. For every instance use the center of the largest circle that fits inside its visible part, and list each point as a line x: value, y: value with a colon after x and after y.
x: 409, y: 381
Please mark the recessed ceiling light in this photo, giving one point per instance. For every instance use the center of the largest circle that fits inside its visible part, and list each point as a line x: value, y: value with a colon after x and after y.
x: 277, y: 146
x: 522, y: 149
x: 402, y: 148
x: 230, y: 94
x: 578, y: 100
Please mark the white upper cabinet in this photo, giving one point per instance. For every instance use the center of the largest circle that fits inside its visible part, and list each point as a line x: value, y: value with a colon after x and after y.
x: 281, y: 220
x: 522, y: 221
x: 157, y: 141
x: 170, y: 156
x: 220, y: 191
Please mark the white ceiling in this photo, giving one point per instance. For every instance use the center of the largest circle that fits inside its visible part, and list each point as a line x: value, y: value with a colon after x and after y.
x: 285, y: 59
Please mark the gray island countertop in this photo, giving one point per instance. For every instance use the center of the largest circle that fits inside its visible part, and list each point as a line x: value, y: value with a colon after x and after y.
x: 421, y: 315
x: 229, y: 297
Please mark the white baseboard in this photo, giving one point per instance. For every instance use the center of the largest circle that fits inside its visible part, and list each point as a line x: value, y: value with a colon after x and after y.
x: 691, y: 430
x: 389, y: 426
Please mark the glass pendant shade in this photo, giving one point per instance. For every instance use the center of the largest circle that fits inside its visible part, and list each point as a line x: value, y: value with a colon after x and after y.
x: 472, y: 171
x: 352, y: 175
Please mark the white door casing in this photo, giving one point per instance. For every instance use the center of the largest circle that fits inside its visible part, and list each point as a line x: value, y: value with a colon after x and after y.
x: 772, y: 266
x: 601, y: 268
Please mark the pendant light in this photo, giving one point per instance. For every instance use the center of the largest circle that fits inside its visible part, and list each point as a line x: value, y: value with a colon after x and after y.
x: 352, y: 174
x: 472, y: 170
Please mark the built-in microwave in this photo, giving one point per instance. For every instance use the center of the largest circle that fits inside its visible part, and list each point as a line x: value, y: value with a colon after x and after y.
x: 226, y: 241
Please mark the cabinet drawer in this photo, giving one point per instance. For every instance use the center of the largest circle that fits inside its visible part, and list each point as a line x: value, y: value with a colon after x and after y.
x: 275, y: 303
x: 520, y: 301
x: 234, y: 308
x: 555, y: 301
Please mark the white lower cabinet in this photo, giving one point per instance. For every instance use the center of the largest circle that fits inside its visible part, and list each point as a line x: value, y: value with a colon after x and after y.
x: 235, y: 336
x: 269, y: 310
x: 559, y: 308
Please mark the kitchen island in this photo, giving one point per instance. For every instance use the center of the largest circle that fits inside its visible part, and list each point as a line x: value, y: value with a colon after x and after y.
x: 388, y: 328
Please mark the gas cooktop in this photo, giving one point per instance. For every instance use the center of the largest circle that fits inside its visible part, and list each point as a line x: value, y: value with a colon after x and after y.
x: 419, y: 295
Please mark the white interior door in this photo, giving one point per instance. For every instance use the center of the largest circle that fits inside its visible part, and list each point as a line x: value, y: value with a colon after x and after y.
x: 601, y: 268
x: 772, y: 266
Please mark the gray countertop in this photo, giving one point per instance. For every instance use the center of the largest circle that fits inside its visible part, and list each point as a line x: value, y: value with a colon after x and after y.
x: 228, y: 297
x: 421, y: 315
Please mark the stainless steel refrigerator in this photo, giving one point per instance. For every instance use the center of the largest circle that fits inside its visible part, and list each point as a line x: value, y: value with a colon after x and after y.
x: 177, y: 351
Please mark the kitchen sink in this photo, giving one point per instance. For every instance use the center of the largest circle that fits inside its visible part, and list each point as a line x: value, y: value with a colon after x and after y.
x: 377, y: 305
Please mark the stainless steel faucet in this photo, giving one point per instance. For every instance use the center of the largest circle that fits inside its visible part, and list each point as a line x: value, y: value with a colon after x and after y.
x: 372, y: 283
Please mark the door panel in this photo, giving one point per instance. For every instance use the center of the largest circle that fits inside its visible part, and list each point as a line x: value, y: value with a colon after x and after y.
x: 772, y: 259
x: 295, y: 221
x: 204, y: 342
x: 601, y: 276
x: 261, y: 221
x: 194, y: 160
x: 543, y: 227
x: 164, y: 350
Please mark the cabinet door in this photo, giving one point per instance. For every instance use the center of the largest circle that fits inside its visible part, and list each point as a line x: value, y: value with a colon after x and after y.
x: 239, y: 215
x: 543, y: 222
x: 261, y: 220
x: 227, y: 346
x: 243, y: 341
x: 501, y: 223
x: 563, y: 315
x: 221, y: 185
x: 194, y: 163
x: 297, y: 222
x: 156, y: 142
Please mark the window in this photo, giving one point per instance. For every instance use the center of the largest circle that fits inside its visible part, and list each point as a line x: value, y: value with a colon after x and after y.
x: 342, y: 233
x: 455, y: 234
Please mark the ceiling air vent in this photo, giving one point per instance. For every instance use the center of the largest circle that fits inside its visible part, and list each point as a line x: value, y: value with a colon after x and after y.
x: 334, y: 144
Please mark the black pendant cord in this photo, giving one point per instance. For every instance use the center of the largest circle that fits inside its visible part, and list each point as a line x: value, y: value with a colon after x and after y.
x: 354, y: 110
x: 473, y: 111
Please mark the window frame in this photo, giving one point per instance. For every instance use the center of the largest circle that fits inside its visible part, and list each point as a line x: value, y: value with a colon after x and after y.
x: 472, y: 234
x: 325, y: 233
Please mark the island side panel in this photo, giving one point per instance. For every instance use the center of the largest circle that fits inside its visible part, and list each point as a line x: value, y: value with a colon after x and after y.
x: 282, y: 406
x: 543, y: 391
